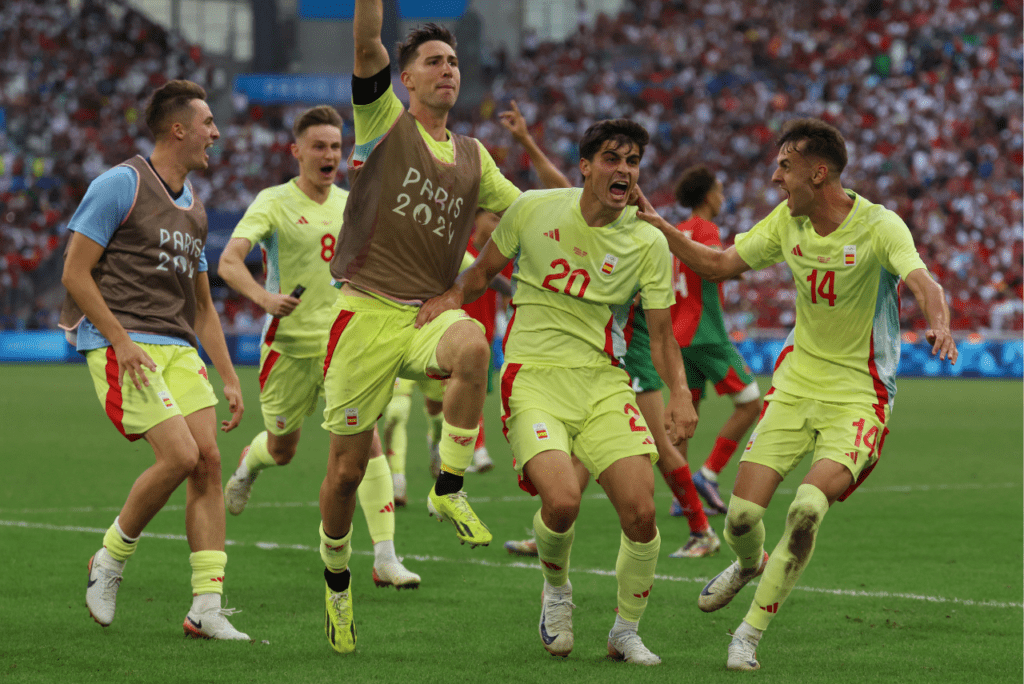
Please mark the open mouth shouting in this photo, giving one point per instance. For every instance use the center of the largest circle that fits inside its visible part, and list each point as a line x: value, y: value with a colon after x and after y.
x: 619, y: 189
x: 327, y: 172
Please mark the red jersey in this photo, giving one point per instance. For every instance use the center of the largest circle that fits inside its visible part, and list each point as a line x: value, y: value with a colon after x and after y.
x: 485, y: 308
x: 697, y: 314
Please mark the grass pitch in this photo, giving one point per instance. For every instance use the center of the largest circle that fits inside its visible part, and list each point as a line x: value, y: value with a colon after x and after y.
x: 917, y: 578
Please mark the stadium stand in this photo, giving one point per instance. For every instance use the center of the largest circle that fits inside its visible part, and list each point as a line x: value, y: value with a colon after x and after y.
x: 927, y: 92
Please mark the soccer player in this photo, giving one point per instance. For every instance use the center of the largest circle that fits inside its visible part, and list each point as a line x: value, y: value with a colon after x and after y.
x: 579, y: 252
x: 295, y: 225
x: 415, y: 190
x: 700, y: 331
x: 138, y: 303
x: 834, y: 383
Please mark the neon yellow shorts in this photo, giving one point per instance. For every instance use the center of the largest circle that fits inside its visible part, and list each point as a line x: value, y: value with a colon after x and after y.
x: 179, y: 387
x: 431, y: 388
x: 590, y: 412
x: 792, y: 427
x: 290, y: 388
x: 372, y: 342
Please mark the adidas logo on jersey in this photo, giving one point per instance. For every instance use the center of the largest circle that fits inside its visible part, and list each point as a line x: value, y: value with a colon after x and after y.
x: 797, y: 252
x: 553, y: 234
x: 302, y: 221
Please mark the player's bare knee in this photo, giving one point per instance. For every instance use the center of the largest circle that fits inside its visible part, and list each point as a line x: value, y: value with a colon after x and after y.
x: 282, y: 455
x: 638, y: 520
x: 344, y: 478
x: 561, y: 509
x: 473, y: 357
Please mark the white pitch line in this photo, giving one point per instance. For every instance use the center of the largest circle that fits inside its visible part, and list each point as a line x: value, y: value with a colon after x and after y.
x: 273, y: 546
x: 891, y: 489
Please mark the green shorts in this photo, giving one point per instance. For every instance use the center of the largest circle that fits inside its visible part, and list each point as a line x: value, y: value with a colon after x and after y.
x: 792, y: 427
x: 290, y: 388
x: 179, y: 387
x: 372, y: 342
x: 590, y: 412
x: 720, y: 364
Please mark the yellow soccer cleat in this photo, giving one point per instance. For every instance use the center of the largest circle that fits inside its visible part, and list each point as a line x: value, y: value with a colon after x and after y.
x: 455, y: 509
x: 338, y: 623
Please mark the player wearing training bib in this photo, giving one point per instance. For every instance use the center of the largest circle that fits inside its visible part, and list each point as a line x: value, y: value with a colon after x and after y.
x: 415, y: 190
x: 578, y: 253
x: 295, y: 224
x: 138, y: 305
x: 834, y: 382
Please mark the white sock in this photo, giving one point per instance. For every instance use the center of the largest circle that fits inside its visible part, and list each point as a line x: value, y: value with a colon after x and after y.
x: 202, y: 603
x: 623, y: 625
x: 747, y: 631
x: 709, y: 475
x: 564, y: 589
x: 384, y: 552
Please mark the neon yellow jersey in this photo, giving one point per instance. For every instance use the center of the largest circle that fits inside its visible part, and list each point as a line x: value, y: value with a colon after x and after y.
x: 373, y: 121
x: 569, y: 275
x: 845, y: 346
x: 296, y: 236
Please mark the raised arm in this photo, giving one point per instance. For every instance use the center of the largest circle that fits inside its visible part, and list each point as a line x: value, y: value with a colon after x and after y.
x: 515, y: 123
x: 470, y: 284
x: 932, y: 300
x: 709, y: 263
x: 211, y: 335
x: 370, y: 54
x: 236, y: 274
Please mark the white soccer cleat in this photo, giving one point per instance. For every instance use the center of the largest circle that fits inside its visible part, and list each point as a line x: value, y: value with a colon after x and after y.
x: 101, y: 590
x: 742, y: 654
x: 401, y: 491
x: 556, y: 619
x: 627, y: 646
x: 394, y: 574
x: 481, y: 461
x: 239, y: 486
x: 522, y: 547
x: 212, y: 624
x: 699, y: 545
x: 719, y: 591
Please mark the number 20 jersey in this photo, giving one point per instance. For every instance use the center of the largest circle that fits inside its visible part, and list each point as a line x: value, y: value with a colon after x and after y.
x: 298, y: 238
x: 845, y: 346
x: 569, y: 275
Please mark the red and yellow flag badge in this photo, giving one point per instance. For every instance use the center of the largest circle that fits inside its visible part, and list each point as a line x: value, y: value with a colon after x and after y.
x: 166, y: 398
x: 541, y: 430
x: 351, y: 416
x: 850, y: 255
x: 610, y: 260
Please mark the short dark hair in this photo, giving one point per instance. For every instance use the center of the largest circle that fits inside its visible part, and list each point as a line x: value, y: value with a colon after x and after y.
x: 619, y: 131
x: 418, y: 36
x: 168, y: 102
x: 694, y: 185
x: 823, y: 141
x: 321, y: 115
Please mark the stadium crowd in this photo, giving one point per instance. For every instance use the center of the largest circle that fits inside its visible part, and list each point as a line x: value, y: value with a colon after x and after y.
x: 928, y: 94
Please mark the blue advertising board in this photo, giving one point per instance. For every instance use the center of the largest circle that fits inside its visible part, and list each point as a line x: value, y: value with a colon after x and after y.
x: 407, y: 9
x: 295, y: 88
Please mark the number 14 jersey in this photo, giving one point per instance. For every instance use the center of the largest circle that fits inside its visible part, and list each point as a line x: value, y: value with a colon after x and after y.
x: 568, y: 275
x: 845, y: 346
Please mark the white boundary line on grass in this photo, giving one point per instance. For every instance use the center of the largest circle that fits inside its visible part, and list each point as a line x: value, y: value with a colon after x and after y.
x: 892, y: 489
x: 273, y: 546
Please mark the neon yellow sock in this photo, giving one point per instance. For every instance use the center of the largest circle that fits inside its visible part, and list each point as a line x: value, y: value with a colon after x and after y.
x: 634, y: 572
x: 396, y: 422
x: 376, y: 495
x: 119, y: 545
x: 744, y: 531
x: 208, y: 572
x: 335, y: 552
x: 258, y: 457
x: 553, y: 549
x: 790, y: 557
x: 457, y: 446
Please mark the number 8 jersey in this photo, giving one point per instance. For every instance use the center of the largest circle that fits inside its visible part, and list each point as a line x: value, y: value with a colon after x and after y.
x: 297, y: 238
x: 845, y: 346
x: 568, y: 275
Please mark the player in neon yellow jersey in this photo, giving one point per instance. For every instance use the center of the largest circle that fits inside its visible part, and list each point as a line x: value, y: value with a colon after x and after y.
x: 834, y: 383
x: 295, y: 225
x: 580, y: 252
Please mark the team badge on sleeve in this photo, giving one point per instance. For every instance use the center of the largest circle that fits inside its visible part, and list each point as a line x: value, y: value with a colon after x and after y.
x: 750, y: 444
x: 541, y: 430
x: 850, y: 255
x: 610, y: 260
x: 282, y: 421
